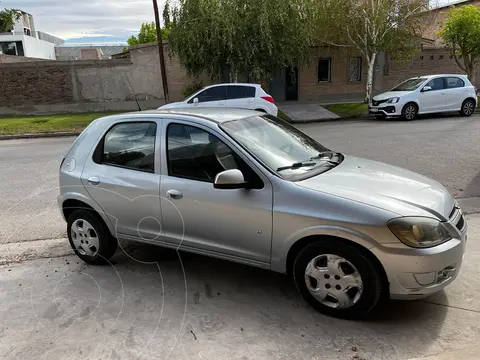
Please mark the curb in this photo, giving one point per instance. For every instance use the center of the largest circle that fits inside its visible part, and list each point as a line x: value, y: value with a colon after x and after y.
x: 39, y: 135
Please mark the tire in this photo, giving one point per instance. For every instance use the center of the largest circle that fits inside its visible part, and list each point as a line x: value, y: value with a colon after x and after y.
x: 468, y: 108
x: 410, y: 111
x: 90, y: 238
x: 363, y: 297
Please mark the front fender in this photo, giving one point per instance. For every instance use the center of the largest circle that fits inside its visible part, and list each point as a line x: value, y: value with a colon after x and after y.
x: 278, y: 261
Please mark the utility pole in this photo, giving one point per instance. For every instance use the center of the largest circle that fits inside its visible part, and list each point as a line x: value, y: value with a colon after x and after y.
x: 160, y: 51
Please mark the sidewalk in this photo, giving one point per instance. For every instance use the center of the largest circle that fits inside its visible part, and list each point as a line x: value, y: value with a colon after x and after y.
x: 149, y: 304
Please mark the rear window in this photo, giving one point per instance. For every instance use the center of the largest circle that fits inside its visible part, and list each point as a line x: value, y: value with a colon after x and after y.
x: 240, y: 92
x: 454, y: 82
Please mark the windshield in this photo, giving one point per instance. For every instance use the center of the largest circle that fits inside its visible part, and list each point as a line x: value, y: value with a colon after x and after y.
x: 281, y: 147
x: 410, y: 84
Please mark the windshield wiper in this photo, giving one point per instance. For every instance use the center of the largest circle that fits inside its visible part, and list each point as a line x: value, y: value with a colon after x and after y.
x: 326, y: 154
x: 296, y: 165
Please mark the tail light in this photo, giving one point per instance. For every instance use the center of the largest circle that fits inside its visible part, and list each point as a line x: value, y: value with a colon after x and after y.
x: 269, y: 99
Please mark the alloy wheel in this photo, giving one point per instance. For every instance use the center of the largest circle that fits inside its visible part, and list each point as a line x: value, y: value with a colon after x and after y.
x: 410, y: 112
x: 468, y: 108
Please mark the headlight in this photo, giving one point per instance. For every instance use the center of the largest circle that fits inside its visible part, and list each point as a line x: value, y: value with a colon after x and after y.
x: 419, y: 232
x: 393, y: 100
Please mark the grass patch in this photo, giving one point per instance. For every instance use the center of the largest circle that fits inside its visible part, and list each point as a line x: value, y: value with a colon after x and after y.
x: 47, y: 124
x: 283, y: 116
x: 348, y: 110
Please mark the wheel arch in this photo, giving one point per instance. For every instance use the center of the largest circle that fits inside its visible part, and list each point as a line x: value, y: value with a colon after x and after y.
x: 303, y: 242
x: 70, y: 205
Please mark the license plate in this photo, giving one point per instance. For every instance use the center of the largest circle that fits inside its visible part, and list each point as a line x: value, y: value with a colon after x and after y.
x: 373, y: 110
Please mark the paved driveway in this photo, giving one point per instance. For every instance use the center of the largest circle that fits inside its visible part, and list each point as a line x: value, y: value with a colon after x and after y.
x: 154, y: 304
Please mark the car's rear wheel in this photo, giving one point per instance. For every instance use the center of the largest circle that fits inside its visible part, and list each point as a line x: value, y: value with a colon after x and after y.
x: 410, y: 111
x: 468, y: 108
x: 89, y: 238
x: 337, y: 279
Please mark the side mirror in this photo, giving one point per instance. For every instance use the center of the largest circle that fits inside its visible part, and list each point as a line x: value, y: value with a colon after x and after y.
x: 229, y: 179
x: 426, y: 88
x: 195, y: 101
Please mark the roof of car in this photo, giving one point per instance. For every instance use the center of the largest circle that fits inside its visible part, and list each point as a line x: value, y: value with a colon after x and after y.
x: 437, y: 75
x: 213, y: 114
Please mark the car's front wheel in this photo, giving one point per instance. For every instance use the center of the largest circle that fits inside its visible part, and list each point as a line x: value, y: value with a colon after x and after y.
x: 338, y: 279
x: 468, y: 108
x: 410, y: 111
x: 89, y: 238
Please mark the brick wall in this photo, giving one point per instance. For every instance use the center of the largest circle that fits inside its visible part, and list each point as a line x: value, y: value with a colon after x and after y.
x: 428, y: 62
x: 339, y: 87
x: 34, y: 85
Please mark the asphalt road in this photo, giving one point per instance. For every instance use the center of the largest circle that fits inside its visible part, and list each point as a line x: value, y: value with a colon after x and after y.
x: 446, y: 149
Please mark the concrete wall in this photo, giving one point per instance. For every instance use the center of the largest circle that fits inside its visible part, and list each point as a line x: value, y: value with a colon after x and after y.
x: 34, y: 47
x: 75, y: 52
x: 64, y: 86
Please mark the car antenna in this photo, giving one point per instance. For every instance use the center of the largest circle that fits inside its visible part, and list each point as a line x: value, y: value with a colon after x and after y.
x: 133, y: 91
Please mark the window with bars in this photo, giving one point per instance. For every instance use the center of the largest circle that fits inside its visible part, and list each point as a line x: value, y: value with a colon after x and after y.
x: 355, y: 69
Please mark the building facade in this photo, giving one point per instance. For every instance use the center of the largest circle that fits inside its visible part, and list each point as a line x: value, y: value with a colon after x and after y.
x: 25, y: 40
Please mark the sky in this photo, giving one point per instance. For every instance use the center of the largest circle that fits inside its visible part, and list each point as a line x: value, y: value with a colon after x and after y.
x: 93, y: 21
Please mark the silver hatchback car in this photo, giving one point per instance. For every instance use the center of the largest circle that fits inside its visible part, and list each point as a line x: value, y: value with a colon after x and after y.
x: 248, y: 187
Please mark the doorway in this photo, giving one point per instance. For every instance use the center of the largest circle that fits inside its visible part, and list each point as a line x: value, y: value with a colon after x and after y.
x: 291, y: 83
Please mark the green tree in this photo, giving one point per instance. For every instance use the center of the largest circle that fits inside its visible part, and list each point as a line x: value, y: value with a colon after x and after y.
x: 8, y: 17
x: 372, y: 26
x: 461, y: 32
x: 249, y: 37
x: 147, y: 34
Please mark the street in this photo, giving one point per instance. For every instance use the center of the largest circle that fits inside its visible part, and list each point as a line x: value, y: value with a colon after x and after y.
x: 153, y: 303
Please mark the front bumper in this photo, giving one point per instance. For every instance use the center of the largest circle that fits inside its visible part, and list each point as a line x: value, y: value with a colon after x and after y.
x: 418, y: 273
x: 385, y: 109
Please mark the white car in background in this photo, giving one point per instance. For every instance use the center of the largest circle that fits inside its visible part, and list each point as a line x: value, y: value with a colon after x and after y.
x: 426, y: 95
x: 232, y: 95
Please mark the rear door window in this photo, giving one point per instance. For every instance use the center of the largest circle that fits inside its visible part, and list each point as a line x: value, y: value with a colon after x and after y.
x: 240, y: 92
x: 454, y: 82
x: 130, y: 145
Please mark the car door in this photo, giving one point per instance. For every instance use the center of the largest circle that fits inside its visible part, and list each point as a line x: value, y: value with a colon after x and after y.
x: 456, y: 93
x: 211, y: 97
x: 434, y: 99
x: 241, y: 96
x: 235, y: 224
x: 122, y: 176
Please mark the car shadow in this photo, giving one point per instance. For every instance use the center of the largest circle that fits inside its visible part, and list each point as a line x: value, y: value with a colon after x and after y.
x: 267, y: 303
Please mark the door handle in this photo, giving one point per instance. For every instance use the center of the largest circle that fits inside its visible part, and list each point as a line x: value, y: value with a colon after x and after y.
x: 174, y: 194
x: 94, y: 181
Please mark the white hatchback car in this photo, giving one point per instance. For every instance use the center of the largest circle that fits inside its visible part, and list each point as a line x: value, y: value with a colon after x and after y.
x: 232, y: 95
x: 425, y: 95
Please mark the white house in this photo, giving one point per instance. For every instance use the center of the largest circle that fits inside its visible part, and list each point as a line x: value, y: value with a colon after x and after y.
x: 25, y: 40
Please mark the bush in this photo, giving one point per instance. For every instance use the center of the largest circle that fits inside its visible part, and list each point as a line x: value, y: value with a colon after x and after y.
x: 192, y: 88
